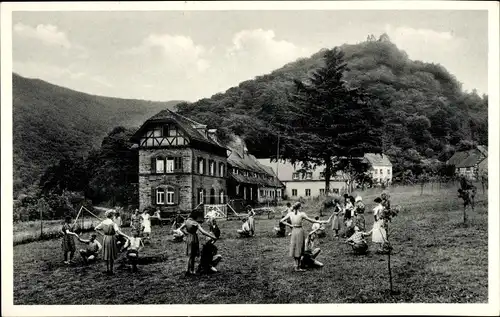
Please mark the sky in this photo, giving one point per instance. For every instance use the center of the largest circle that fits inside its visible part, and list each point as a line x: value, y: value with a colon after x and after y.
x: 188, y: 55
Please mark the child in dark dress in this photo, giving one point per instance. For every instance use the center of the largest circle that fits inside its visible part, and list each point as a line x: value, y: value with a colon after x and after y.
x: 190, y: 228
x: 209, y: 258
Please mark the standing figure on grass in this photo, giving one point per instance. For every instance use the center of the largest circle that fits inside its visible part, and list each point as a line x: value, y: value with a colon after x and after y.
x: 318, y: 229
x: 348, y: 217
x: 118, y: 220
x: 336, y: 211
x: 281, y: 229
x: 109, y: 247
x: 191, y: 227
x: 146, y: 224
x: 297, y: 240
x: 91, y: 253
x: 68, y: 241
x: 212, y: 222
x: 467, y: 192
x: 359, y: 218
x: 379, y: 235
x: 136, y: 222
x: 251, y: 220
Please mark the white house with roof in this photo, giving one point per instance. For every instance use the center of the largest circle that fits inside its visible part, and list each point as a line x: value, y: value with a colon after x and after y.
x: 301, y: 183
x: 380, y: 167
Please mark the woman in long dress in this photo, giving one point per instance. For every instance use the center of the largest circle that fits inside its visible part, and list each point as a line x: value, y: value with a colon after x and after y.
x: 68, y: 241
x: 136, y: 222
x: 109, y: 247
x: 191, y: 227
x: 251, y: 220
x: 297, y: 240
x: 379, y: 235
x: 336, y: 210
x: 146, y: 224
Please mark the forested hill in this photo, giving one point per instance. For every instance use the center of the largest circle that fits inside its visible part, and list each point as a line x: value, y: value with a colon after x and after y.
x: 50, y: 122
x: 427, y: 114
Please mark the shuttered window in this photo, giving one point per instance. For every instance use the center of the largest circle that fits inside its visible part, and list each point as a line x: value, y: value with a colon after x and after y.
x: 170, y: 196
x: 169, y: 165
x: 178, y: 164
x: 165, y: 195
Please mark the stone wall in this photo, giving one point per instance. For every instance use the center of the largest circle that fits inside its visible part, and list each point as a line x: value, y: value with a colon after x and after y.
x: 185, y: 182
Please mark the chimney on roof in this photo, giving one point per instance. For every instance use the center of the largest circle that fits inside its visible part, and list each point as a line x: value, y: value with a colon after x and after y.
x: 212, y: 134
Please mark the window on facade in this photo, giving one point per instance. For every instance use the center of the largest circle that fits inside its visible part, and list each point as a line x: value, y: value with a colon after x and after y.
x: 309, y: 175
x: 166, y: 129
x: 294, y: 192
x: 295, y: 176
x: 237, y: 189
x: 322, y: 191
x: 279, y: 192
x: 308, y: 192
x: 322, y: 175
x: 221, y: 170
x: 178, y: 163
x: 201, y: 166
x: 170, y: 196
x: 221, y: 197
x: 160, y: 196
x: 212, y: 168
x: 381, y: 172
x: 160, y: 165
x: 170, y: 165
x: 335, y: 190
x: 244, y: 193
x: 201, y: 196
x: 261, y: 193
x: 235, y: 171
x: 388, y: 172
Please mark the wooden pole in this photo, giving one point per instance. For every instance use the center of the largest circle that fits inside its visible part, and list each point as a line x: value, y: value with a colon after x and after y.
x: 41, y: 222
x: 277, y: 167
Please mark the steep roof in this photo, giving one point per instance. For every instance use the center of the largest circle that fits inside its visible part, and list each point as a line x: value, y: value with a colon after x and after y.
x: 457, y: 158
x: 189, y: 126
x: 240, y: 158
x: 377, y: 159
x: 469, y: 158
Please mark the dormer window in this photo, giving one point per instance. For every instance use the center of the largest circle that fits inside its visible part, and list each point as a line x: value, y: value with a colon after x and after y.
x: 309, y: 175
x: 166, y: 130
x: 295, y: 176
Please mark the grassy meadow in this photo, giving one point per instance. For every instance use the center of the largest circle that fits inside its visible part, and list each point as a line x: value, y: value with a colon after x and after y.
x: 436, y: 259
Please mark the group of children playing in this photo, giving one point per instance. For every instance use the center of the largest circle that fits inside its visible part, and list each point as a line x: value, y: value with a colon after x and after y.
x: 119, y: 246
x: 349, y: 215
x: 115, y: 244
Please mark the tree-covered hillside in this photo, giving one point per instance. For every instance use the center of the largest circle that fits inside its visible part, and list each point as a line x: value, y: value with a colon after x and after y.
x: 52, y: 122
x: 426, y: 114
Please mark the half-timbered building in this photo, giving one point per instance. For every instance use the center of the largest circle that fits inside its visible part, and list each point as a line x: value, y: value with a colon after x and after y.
x: 182, y: 166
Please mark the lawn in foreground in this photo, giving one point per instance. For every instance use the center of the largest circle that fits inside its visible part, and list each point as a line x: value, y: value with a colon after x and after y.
x: 437, y: 259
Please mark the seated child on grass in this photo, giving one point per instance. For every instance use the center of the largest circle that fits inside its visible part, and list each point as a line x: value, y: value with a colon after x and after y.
x: 358, y: 242
x: 245, y: 229
x: 209, y: 258
x: 90, y: 253
x: 135, y: 244
x: 310, y: 254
